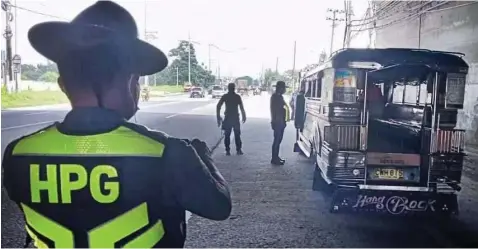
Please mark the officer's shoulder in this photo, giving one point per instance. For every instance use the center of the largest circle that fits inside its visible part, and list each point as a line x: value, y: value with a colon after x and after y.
x: 159, y: 136
x: 9, y: 148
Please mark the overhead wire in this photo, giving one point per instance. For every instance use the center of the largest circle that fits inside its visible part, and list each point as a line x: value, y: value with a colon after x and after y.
x: 36, y: 12
x: 401, y: 19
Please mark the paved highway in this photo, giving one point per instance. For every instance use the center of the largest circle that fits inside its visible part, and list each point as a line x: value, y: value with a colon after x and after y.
x: 273, y: 206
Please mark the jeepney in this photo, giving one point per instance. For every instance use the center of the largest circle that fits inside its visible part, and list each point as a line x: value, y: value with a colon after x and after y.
x: 397, y: 153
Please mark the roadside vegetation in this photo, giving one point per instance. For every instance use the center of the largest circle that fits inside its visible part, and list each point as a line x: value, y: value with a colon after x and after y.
x: 32, y: 98
x: 167, y: 88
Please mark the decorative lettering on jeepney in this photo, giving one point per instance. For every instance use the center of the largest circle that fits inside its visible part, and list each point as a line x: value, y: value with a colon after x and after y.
x: 364, y: 200
x: 397, y: 205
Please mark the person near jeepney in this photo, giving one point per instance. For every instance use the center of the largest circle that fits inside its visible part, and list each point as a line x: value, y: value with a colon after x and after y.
x: 280, y: 114
x: 95, y: 180
x: 231, y: 120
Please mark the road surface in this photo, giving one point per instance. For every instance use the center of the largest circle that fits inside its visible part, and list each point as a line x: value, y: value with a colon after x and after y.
x: 273, y: 206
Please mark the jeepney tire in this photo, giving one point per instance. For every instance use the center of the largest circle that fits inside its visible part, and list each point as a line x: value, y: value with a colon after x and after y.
x: 319, y: 184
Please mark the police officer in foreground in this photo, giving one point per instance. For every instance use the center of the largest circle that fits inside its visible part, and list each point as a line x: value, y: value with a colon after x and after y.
x: 279, y: 118
x: 94, y: 179
x: 231, y: 118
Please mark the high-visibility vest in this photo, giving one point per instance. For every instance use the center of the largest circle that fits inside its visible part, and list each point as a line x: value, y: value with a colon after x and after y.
x: 287, y: 112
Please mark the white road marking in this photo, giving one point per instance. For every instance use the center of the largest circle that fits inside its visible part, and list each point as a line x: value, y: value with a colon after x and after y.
x: 35, y: 113
x: 188, y: 112
x: 160, y: 104
x: 28, y: 125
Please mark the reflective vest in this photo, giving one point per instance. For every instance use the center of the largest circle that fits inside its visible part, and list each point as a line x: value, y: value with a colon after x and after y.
x: 287, y: 112
x: 106, y: 180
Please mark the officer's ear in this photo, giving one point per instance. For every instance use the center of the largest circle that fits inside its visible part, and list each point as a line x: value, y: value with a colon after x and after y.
x: 61, y: 84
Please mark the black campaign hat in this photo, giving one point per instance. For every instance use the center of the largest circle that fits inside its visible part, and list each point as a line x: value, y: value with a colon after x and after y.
x: 104, y: 22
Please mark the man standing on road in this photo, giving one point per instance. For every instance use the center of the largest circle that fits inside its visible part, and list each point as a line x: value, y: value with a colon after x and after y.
x: 279, y: 117
x: 94, y: 179
x: 231, y: 118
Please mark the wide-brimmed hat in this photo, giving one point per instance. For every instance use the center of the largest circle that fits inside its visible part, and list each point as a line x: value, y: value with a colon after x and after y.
x: 104, y: 22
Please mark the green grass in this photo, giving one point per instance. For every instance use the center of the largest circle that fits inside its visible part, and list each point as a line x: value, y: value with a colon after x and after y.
x: 168, y: 88
x: 32, y: 98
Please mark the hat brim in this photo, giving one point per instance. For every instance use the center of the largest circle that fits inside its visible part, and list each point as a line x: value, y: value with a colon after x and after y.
x: 55, y: 40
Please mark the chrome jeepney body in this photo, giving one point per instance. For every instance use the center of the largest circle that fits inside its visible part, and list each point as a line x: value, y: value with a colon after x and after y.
x: 405, y: 158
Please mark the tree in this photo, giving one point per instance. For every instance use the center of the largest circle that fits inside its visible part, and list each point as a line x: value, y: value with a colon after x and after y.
x: 199, y: 74
x: 32, y: 72
x: 289, y: 77
x: 49, y: 77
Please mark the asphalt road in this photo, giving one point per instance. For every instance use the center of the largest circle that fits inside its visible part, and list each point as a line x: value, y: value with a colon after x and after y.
x: 273, y: 206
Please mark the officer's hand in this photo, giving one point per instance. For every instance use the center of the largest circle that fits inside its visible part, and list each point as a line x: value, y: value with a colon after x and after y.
x: 200, y: 147
x: 219, y: 121
x: 243, y: 119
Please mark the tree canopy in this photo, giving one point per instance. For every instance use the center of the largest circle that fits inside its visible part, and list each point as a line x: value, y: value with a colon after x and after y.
x: 200, y: 75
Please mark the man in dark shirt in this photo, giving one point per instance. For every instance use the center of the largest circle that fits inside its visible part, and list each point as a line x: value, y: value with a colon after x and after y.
x: 278, y: 121
x: 231, y: 118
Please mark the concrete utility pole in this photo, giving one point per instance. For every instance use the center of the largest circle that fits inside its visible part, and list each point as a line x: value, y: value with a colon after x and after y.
x: 6, y: 6
x: 293, y: 68
x: 335, y: 22
x: 209, y: 54
x: 277, y: 64
x: 348, y: 23
x: 148, y: 36
x: 189, y: 57
x: 177, y: 76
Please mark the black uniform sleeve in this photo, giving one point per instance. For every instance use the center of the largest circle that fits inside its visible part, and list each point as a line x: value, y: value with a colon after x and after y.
x: 7, y: 169
x: 199, y: 187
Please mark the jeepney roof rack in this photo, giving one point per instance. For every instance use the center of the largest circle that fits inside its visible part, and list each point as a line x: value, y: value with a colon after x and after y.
x: 392, y: 56
x: 400, y: 71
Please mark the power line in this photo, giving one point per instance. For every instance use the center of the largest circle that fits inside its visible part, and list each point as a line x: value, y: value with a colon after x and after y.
x: 401, y: 19
x: 37, y: 12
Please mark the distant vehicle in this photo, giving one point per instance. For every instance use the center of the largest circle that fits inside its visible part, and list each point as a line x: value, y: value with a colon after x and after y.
x: 197, y: 92
x: 187, y: 87
x: 217, y: 91
x: 257, y: 91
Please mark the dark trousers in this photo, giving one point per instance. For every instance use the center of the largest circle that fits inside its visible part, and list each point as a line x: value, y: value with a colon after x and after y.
x: 228, y: 126
x: 278, y: 135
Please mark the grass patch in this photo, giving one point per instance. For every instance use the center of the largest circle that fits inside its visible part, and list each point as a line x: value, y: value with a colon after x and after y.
x: 32, y: 98
x: 168, y: 88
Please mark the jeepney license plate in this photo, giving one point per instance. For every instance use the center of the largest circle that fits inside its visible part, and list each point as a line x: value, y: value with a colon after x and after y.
x: 389, y: 174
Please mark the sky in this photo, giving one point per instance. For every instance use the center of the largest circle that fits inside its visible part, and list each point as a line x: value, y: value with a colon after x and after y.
x: 258, y: 32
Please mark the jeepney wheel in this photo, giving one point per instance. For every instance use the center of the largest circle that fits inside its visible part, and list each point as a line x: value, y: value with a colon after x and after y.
x: 319, y: 184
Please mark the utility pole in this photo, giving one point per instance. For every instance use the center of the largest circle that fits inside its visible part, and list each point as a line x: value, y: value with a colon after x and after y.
x: 277, y: 65
x: 348, y: 23
x: 293, y: 68
x: 177, y: 76
x: 189, y: 57
x: 6, y: 6
x: 335, y: 21
x: 145, y: 36
x: 209, y: 54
